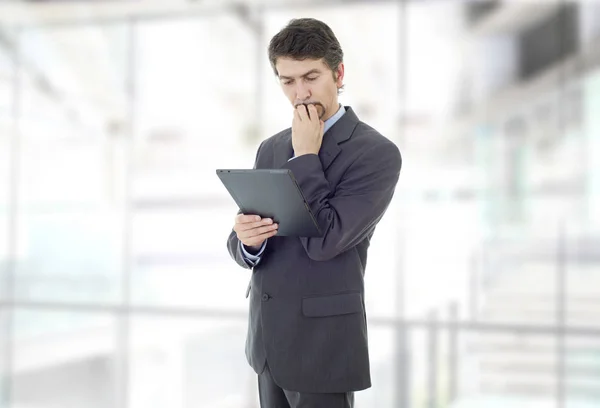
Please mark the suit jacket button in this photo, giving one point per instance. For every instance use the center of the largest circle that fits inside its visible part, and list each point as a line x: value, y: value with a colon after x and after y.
x: 265, y: 297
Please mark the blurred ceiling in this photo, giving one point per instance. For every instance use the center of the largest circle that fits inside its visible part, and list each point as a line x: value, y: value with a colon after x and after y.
x: 505, y: 16
x: 56, y: 11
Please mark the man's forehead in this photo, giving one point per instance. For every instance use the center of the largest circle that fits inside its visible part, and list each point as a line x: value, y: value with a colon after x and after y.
x: 292, y: 67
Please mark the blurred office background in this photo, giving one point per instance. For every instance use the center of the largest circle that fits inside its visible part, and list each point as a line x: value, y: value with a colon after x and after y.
x: 116, y: 289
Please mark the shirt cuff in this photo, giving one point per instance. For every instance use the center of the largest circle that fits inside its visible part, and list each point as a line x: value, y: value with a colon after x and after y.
x: 251, y: 259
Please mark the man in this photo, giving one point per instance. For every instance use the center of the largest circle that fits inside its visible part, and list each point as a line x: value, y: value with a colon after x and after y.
x: 307, y: 332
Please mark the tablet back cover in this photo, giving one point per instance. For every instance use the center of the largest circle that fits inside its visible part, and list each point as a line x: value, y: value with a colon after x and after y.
x: 272, y: 193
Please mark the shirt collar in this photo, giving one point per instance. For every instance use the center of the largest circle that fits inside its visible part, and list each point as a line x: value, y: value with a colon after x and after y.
x: 331, y: 121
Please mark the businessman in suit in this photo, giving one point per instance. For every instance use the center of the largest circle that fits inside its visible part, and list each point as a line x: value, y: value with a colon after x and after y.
x: 307, y: 331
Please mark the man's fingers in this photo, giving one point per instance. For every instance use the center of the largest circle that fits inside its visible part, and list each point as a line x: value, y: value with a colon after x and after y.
x: 259, y: 239
x: 302, y: 112
x: 254, y: 232
x: 252, y: 225
x: 297, y: 114
x: 246, y: 218
x: 313, y: 113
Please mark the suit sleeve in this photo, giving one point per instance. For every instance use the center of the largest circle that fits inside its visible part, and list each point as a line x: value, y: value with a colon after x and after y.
x: 351, y: 212
x: 233, y: 243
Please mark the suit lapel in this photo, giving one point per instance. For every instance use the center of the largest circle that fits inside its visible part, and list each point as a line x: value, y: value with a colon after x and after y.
x: 330, y: 149
x: 336, y: 135
x: 283, y: 149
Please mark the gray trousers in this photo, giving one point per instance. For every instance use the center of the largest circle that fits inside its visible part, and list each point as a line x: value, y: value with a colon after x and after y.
x: 272, y: 396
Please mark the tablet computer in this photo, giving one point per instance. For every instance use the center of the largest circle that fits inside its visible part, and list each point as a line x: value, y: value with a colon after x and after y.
x: 272, y: 193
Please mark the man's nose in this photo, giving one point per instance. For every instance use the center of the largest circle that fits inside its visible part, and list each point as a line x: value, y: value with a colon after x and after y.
x: 302, y: 92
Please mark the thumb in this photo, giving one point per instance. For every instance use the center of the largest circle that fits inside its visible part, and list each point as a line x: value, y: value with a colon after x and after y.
x: 322, y: 126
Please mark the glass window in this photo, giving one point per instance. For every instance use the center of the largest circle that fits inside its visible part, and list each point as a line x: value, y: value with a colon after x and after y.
x: 194, y: 114
x: 71, y: 163
x: 4, y: 352
x: 7, y: 73
x: 181, y: 362
x: 64, y: 359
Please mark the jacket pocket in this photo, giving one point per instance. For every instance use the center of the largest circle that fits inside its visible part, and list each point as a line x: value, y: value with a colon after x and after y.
x: 333, y: 305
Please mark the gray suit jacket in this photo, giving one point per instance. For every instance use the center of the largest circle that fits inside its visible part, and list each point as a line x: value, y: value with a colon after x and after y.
x: 307, y: 310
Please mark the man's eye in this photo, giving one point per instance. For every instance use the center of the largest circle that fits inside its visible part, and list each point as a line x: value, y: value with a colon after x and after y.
x: 287, y: 82
x: 311, y: 79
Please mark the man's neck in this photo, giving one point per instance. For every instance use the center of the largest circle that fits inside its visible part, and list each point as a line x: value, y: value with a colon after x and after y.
x: 333, y: 113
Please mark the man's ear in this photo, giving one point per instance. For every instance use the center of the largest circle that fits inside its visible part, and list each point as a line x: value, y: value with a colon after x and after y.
x: 339, y: 75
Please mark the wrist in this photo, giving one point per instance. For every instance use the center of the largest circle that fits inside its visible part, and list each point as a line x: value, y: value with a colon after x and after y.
x: 303, y: 153
x: 253, y: 249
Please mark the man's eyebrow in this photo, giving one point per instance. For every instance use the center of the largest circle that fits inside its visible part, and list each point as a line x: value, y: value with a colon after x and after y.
x: 312, y: 71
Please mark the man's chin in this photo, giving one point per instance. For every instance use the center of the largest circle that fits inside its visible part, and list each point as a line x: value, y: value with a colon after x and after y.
x: 321, y: 112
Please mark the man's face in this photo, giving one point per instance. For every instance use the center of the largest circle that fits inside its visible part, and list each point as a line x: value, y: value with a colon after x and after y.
x: 310, y: 81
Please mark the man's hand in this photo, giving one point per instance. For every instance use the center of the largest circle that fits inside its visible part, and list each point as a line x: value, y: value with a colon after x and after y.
x: 252, y: 231
x: 307, y: 130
